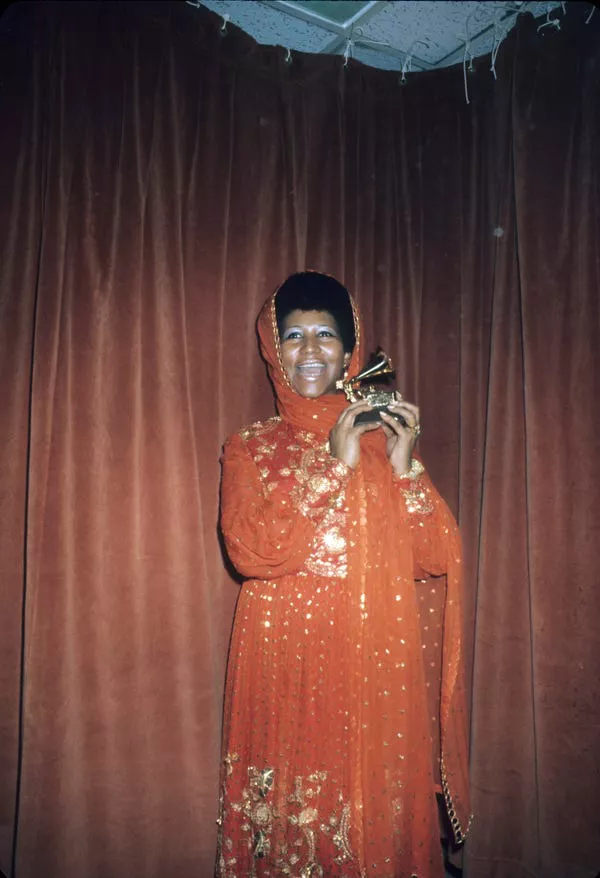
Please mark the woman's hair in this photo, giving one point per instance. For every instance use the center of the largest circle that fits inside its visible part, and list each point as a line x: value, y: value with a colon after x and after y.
x: 313, y: 291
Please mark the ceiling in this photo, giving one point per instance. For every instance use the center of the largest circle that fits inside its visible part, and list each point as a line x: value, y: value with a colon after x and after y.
x: 403, y: 35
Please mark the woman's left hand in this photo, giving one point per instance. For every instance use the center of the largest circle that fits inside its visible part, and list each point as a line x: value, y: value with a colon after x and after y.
x: 401, y: 439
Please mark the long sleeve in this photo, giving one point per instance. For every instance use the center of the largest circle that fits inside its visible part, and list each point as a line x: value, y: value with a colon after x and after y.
x: 433, y: 528
x: 269, y: 533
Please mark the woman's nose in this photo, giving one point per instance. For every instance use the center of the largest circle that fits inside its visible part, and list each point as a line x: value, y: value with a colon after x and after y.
x: 310, y: 343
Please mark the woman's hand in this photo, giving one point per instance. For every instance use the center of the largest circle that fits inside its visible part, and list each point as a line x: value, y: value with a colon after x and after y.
x: 344, y: 439
x: 401, y: 440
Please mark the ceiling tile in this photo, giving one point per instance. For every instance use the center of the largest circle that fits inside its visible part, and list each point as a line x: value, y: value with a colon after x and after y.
x: 271, y: 27
x: 376, y: 59
x: 338, y: 11
x: 432, y: 32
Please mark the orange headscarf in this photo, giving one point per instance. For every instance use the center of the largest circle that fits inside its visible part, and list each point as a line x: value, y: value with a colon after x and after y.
x: 316, y: 415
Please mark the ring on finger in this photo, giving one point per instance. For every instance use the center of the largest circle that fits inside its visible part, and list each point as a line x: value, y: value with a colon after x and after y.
x: 415, y: 429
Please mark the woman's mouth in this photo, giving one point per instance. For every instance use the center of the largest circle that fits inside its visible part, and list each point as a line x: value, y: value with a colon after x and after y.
x: 311, y: 370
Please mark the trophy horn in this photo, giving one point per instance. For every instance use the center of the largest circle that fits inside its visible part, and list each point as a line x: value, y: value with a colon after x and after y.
x: 379, y: 364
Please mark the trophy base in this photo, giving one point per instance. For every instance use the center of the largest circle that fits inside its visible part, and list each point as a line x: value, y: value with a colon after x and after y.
x: 372, y: 416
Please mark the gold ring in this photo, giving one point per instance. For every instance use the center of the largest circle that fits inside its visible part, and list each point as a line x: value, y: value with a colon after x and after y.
x: 416, y: 429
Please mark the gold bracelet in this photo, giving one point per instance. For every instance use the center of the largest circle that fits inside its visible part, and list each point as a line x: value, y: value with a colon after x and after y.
x: 416, y: 469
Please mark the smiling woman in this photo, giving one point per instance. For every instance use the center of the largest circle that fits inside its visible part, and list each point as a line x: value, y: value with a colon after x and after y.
x: 312, y: 352
x: 340, y: 727
x: 316, y: 331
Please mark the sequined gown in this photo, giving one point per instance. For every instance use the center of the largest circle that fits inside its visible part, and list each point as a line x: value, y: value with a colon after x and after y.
x: 344, y: 704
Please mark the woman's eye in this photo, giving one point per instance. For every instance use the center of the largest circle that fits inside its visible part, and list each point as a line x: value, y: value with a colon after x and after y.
x: 327, y: 333
x: 290, y: 335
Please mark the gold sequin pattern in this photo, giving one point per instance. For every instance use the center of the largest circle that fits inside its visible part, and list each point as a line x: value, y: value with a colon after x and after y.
x: 417, y: 498
x: 314, y: 482
x: 314, y: 681
x: 286, y: 823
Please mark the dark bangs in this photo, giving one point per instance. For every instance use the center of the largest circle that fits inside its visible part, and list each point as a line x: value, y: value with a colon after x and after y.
x: 313, y: 291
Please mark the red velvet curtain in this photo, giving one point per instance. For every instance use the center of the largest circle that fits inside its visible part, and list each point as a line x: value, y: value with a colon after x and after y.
x: 157, y: 180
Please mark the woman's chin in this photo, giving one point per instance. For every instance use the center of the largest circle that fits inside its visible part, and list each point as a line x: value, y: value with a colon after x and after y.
x: 309, y: 393
x: 312, y: 392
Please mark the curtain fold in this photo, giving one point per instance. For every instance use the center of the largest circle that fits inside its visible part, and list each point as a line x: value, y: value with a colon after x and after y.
x: 157, y: 181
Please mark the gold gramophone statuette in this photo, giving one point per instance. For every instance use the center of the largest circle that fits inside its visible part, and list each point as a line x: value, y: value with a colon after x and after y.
x: 378, y: 366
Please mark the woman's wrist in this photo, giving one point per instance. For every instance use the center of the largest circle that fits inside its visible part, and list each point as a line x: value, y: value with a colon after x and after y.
x: 416, y: 493
x: 336, y: 456
x: 412, y: 471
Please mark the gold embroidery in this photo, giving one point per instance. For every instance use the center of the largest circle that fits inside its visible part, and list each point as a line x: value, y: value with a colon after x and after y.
x: 309, y: 815
x: 275, y: 330
x: 328, y: 555
x: 264, y: 781
x: 341, y: 838
x: 319, y: 484
x: 257, y: 812
x: 230, y: 759
x: 311, y: 870
x: 416, y: 493
x: 266, y: 450
x: 417, y: 498
x: 263, y: 806
x: 259, y: 428
x: 262, y: 845
x: 415, y: 470
x: 315, y: 483
x: 318, y: 474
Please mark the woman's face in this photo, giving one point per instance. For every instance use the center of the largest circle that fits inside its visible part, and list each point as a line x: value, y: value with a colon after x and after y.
x: 312, y: 352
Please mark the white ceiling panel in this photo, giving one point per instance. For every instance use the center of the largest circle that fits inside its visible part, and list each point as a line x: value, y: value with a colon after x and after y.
x: 389, y: 34
x: 372, y: 58
x: 342, y: 13
x: 431, y: 30
x: 270, y: 26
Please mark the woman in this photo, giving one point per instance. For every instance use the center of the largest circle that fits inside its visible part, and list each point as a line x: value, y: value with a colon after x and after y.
x: 333, y: 716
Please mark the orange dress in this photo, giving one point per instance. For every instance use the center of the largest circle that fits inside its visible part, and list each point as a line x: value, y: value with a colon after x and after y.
x: 336, y: 732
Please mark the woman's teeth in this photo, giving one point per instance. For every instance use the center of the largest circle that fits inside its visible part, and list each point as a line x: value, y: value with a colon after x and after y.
x: 309, y: 369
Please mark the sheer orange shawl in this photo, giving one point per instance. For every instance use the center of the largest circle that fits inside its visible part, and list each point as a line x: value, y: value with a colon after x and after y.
x: 389, y: 748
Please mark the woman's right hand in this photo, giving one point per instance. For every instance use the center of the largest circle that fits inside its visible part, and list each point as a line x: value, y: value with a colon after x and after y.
x: 344, y: 439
